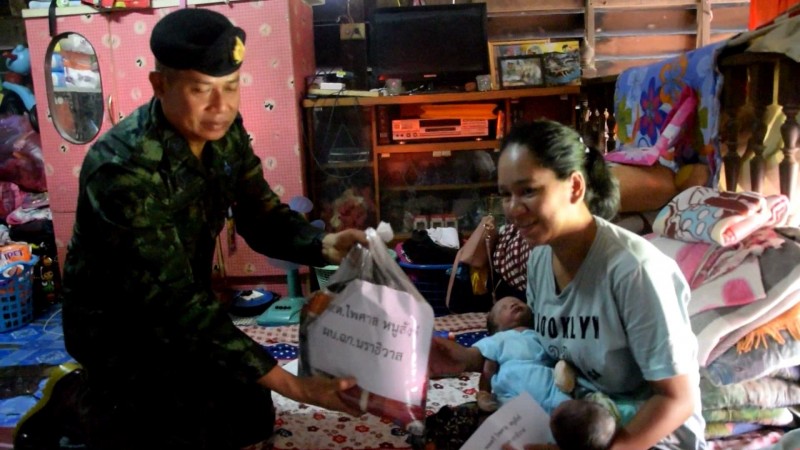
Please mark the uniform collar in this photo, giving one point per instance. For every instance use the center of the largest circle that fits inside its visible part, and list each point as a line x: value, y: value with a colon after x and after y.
x: 165, y: 143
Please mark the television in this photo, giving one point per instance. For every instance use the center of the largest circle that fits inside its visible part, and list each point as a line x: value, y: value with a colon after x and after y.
x: 436, y: 47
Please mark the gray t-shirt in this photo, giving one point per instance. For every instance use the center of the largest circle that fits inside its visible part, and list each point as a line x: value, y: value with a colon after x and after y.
x: 621, y: 321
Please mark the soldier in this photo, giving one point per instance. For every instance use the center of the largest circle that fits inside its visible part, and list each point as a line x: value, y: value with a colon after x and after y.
x: 161, y: 363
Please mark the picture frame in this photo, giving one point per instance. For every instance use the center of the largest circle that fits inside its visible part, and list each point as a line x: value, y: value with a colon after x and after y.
x: 562, y: 63
x: 520, y: 71
x: 516, y: 47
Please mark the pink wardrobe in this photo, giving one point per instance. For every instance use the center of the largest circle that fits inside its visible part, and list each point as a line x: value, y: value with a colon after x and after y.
x: 279, y: 57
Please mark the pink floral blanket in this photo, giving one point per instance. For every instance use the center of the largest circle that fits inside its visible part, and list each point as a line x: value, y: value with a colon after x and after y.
x: 701, y: 214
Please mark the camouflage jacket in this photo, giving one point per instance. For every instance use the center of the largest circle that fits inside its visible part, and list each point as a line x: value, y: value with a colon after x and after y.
x: 137, y: 276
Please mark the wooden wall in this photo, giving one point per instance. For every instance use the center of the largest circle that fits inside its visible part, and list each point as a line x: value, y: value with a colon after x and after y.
x: 622, y: 33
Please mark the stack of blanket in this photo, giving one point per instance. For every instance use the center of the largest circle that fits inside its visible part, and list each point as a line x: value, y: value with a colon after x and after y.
x: 744, y: 271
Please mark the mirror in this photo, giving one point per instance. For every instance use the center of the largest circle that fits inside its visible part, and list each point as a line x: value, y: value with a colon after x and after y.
x: 74, y: 91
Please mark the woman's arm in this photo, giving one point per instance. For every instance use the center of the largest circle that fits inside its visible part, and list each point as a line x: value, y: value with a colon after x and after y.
x: 489, y: 369
x: 486, y: 401
x: 670, y: 406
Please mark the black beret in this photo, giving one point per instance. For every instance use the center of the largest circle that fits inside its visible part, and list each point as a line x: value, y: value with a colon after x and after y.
x: 198, y: 39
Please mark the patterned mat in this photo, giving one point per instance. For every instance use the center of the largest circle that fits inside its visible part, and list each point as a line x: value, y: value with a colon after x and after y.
x: 27, y: 353
x: 300, y: 426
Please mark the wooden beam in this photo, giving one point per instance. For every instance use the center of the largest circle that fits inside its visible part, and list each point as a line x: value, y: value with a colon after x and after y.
x: 703, y: 23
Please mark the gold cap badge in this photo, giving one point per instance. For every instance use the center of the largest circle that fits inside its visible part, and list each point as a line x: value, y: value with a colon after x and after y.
x: 238, y: 51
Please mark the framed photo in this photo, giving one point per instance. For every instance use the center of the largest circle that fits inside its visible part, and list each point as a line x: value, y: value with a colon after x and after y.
x: 520, y: 71
x: 562, y: 64
x: 518, y: 47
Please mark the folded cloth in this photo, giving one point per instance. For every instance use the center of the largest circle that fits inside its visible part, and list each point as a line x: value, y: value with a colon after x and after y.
x: 701, y: 214
x: 679, y: 120
x: 444, y: 236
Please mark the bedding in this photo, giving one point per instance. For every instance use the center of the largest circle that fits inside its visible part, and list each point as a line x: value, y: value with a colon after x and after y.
x: 744, y: 271
x: 735, y: 366
x: 645, y: 96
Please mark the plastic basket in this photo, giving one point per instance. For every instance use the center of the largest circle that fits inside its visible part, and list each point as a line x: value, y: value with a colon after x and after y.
x: 16, y: 299
x: 431, y: 281
x: 323, y: 274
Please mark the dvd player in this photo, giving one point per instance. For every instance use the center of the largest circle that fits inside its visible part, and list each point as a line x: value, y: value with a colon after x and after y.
x: 410, y: 129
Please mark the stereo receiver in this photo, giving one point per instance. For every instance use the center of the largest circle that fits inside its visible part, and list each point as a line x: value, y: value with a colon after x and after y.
x: 410, y: 129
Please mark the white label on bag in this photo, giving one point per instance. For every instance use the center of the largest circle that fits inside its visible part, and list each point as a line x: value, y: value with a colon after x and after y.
x: 377, y: 334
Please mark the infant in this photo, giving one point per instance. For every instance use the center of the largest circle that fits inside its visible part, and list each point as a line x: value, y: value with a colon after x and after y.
x: 515, y: 362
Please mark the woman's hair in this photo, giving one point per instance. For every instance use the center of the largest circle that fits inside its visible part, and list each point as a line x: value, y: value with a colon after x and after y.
x: 559, y: 148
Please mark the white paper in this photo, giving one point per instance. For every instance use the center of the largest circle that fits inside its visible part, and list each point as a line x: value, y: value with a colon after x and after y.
x: 291, y: 367
x: 519, y: 422
x: 377, y: 334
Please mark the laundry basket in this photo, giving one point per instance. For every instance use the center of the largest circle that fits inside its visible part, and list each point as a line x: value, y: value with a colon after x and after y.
x: 16, y: 299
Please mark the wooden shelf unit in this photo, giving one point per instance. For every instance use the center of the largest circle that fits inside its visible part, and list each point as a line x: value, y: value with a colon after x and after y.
x: 396, y: 181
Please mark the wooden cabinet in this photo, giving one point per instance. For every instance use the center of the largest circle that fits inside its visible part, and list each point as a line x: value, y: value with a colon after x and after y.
x: 360, y: 174
x: 279, y: 58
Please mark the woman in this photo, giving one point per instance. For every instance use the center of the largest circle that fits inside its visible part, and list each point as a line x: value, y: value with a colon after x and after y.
x: 603, y: 299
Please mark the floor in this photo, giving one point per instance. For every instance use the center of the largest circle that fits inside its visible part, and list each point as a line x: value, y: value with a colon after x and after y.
x: 26, y: 355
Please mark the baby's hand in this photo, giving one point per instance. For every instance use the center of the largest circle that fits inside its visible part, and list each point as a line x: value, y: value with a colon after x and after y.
x: 487, y: 402
x: 565, y: 376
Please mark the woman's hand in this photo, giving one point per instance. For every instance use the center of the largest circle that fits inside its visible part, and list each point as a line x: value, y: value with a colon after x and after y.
x: 336, y: 245
x: 448, y: 358
x: 317, y: 391
x: 671, y: 404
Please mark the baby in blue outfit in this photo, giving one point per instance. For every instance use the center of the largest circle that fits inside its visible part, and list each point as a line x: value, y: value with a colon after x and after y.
x: 515, y: 362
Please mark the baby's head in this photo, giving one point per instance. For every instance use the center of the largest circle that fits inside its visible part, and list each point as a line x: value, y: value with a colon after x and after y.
x: 508, y: 313
x: 582, y: 425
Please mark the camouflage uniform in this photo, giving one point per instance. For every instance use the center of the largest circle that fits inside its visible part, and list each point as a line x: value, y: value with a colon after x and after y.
x: 161, y: 356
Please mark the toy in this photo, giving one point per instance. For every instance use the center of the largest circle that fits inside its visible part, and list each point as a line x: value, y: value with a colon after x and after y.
x: 17, y: 96
x: 253, y: 302
x: 285, y: 311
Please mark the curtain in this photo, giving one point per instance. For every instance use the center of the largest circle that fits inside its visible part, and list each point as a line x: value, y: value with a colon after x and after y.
x: 763, y: 11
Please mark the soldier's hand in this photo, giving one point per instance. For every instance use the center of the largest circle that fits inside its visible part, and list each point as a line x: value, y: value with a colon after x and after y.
x: 336, y: 245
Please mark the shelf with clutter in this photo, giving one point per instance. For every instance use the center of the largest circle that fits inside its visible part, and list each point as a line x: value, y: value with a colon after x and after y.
x: 363, y: 166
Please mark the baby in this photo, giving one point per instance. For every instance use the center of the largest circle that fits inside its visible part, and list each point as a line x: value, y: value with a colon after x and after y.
x: 515, y: 362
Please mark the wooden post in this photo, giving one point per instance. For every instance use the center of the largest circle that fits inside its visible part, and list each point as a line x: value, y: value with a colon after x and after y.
x: 789, y: 99
x: 762, y: 88
x: 733, y: 98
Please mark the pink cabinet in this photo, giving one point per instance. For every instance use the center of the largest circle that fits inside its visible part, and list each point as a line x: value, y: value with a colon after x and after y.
x: 279, y: 57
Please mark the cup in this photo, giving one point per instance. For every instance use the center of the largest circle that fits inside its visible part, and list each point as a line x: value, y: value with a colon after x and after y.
x: 484, y: 82
x: 394, y: 86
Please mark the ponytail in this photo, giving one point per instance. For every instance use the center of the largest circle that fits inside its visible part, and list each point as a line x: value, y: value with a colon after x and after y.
x: 602, y: 188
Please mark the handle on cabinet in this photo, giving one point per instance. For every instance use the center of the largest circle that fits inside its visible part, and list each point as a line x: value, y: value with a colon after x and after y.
x: 112, y: 117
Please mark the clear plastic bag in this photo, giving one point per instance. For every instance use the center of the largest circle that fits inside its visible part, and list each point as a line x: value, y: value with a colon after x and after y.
x: 370, y: 322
